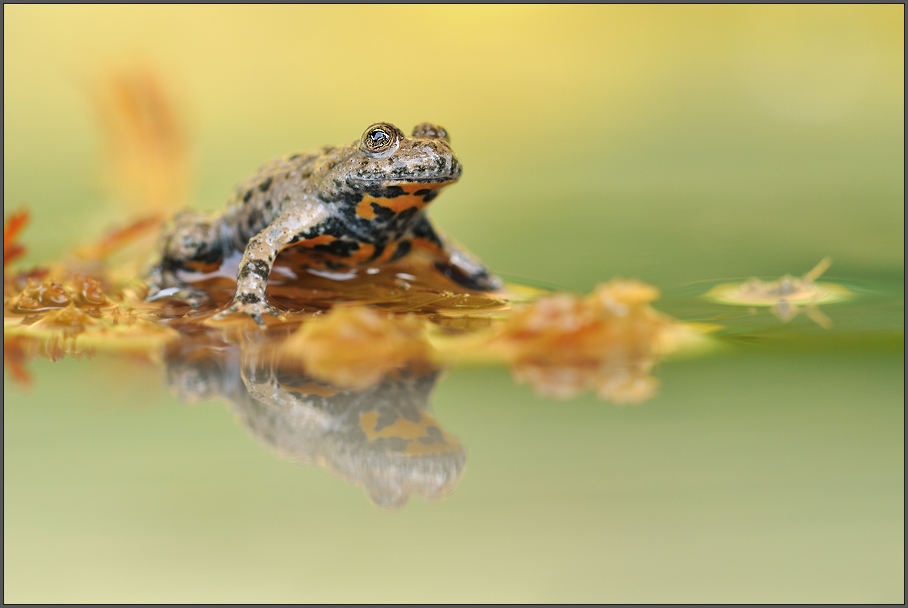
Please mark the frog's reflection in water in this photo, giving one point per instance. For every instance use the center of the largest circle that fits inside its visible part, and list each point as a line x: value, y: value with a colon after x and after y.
x: 381, y: 437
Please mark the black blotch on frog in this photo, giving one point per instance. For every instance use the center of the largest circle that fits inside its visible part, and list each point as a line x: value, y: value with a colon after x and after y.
x: 340, y: 248
x: 433, y: 435
x: 257, y: 267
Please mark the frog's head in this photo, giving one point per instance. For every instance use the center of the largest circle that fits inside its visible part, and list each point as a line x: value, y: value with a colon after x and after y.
x: 385, y: 157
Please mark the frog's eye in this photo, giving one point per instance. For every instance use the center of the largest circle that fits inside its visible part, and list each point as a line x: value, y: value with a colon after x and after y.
x: 380, y: 137
x: 427, y: 129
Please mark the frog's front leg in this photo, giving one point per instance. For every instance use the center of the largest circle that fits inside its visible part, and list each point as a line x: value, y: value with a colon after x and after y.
x: 452, y: 260
x: 290, y: 226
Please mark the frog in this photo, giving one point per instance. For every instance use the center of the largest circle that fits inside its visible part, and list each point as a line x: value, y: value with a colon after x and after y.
x: 356, y: 205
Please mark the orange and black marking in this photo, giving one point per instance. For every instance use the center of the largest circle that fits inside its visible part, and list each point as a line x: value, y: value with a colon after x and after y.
x: 418, y: 433
x: 412, y: 196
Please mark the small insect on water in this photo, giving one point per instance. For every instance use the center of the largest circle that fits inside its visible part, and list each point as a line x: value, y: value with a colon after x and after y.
x: 357, y: 205
x: 786, y: 296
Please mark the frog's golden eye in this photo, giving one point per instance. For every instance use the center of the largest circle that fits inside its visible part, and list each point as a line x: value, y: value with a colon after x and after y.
x: 380, y: 137
x: 427, y: 129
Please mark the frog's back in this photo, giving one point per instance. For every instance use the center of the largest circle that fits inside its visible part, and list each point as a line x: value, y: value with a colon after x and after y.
x: 285, y: 173
x: 258, y: 200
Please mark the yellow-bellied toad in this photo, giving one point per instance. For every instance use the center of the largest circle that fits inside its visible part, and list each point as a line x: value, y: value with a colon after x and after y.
x: 361, y: 204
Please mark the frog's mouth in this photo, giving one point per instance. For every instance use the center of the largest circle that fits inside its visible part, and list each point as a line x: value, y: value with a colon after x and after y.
x: 442, y: 171
x: 436, y: 181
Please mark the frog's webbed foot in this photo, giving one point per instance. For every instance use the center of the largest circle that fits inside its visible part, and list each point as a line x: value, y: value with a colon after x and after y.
x: 471, y: 273
x: 465, y: 269
x: 251, y: 306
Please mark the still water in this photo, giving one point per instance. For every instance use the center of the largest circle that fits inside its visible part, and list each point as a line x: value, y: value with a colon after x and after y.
x: 768, y: 470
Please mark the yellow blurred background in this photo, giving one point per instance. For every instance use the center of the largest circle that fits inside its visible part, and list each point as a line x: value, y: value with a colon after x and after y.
x: 671, y: 143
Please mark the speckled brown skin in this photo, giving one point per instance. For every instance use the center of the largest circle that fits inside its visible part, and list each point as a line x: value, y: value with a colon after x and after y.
x: 361, y: 204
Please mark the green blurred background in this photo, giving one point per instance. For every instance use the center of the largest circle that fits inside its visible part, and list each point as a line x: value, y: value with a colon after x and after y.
x: 680, y: 145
